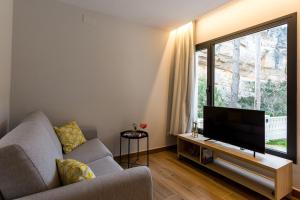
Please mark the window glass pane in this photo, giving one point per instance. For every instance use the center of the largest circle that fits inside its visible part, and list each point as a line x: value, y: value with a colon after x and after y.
x: 201, y: 62
x: 251, y: 73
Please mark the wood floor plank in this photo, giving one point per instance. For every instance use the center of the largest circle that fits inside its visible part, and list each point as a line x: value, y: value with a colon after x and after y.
x: 162, y: 191
x: 199, y: 177
x: 205, y: 181
x: 175, y: 197
x: 176, y: 179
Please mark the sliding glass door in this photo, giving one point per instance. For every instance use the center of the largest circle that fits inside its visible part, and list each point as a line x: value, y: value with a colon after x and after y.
x: 251, y: 73
x: 254, y: 69
x: 201, y: 97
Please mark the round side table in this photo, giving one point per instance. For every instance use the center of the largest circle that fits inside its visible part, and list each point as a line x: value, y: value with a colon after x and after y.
x: 134, y: 135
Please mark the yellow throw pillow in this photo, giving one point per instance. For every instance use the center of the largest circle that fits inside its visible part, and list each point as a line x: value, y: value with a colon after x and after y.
x: 73, y: 171
x: 70, y: 136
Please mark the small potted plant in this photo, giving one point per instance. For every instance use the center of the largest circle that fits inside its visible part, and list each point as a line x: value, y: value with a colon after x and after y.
x: 143, y: 125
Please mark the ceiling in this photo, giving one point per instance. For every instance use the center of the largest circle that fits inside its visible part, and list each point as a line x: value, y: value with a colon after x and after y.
x: 165, y: 14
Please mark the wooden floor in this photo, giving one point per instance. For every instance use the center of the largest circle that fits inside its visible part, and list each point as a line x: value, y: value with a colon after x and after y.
x: 176, y: 179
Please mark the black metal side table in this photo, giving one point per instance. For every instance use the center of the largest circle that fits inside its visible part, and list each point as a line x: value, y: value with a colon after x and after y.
x: 134, y: 135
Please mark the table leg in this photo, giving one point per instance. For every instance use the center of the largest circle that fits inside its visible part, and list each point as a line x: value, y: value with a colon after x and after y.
x: 128, y: 164
x: 147, y: 151
x: 138, y: 149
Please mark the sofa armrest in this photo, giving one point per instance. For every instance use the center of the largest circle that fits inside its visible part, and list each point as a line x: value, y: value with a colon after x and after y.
x: 130, y: 184
x: 89, y: 133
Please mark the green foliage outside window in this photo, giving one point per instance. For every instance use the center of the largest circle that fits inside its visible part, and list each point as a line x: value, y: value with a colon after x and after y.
x: 201, y: 96
x: 219, y: 100
x: 273, y: 98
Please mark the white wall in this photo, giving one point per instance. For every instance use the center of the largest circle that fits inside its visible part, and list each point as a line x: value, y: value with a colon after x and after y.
x: 6, y: 19
x: 106, y: 73
x: 240, y: 14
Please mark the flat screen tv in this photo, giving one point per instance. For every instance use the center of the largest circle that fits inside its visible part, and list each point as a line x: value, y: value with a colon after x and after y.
x: 239, y: 127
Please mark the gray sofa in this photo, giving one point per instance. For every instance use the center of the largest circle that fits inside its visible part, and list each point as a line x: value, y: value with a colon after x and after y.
x: 28, y: 167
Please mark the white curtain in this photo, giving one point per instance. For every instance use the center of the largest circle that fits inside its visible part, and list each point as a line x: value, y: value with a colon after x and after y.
x: 182, y: 81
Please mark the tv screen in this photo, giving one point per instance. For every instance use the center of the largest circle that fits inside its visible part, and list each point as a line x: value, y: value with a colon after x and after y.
x: 239, y: 127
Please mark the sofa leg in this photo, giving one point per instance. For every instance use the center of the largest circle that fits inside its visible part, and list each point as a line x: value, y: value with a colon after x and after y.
x: 138, y: 150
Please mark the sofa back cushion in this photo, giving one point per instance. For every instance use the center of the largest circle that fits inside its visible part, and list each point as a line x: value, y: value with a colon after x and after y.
x: 33, y: 139
x: 41, y: 118
x: 19, y: 176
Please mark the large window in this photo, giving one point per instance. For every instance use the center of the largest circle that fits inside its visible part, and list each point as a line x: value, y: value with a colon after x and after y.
x: 201, y: 59
x: 254, y: 69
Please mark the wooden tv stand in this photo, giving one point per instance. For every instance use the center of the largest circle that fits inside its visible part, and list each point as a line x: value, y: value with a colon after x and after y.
x: 266, y: 174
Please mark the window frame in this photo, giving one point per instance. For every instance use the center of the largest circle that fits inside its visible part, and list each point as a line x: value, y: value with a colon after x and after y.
x: 291, y: 21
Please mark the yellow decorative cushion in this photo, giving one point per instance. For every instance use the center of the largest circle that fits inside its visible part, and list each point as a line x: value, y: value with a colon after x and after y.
x: 72, y: 171
x: 70, y: 136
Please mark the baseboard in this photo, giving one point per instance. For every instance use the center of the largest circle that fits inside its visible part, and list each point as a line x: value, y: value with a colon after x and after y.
x: 296, y: 193
x: 151, y: 151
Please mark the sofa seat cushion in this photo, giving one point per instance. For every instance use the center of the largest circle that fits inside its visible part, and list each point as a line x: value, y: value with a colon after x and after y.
x: 105, y: 166
x: 88, y: 152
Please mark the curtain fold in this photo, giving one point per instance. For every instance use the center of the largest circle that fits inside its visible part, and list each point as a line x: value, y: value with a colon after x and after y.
x: 182, y: 81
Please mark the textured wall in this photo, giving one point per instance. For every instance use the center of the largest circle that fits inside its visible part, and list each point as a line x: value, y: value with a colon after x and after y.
x: 99, y: 70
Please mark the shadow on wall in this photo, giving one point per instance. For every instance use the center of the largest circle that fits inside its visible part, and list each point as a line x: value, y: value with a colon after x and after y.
x: 155, y: 109
x: 3, y: 128
x: 159, y: 96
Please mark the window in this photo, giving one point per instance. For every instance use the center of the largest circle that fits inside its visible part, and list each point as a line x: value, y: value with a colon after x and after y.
x: 201, y: 59
x: 254, y: 69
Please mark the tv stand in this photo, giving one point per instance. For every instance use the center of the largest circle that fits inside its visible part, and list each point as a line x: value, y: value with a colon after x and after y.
x: 266, y: 174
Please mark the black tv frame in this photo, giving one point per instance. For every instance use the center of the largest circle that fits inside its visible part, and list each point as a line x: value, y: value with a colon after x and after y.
x: 243, y: 113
